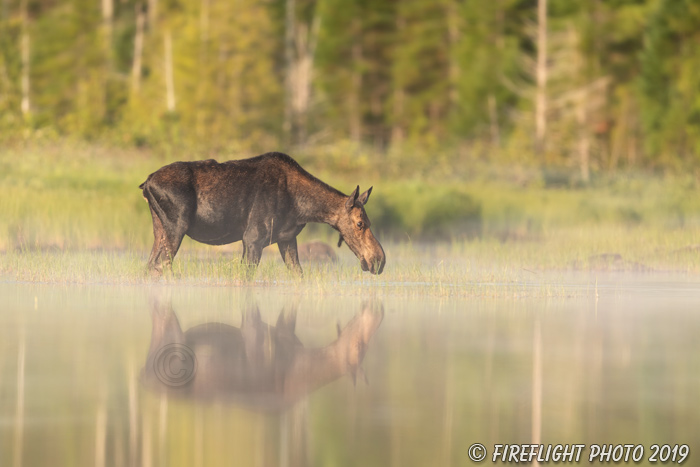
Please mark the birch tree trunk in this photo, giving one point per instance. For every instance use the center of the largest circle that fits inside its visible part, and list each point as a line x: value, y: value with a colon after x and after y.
x: 202, y: 90
x: 300, y: 51
x: 108, y: 63
x: 152, y: 14
x: 169, y: 78
x: 289, y: 27
x: 138, y: 50
x: 307, y: 77
x: 356, y: 86
x: 24, y: 53
x: 541, y: 76
x: 453, y: 38
x: 397, y: 130
x: 107, y: 22
x: 306, y: 39
x: 584, y: 140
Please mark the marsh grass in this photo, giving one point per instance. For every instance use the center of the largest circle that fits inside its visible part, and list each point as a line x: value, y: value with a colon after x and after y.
x: 75, y: 214
x: 410, y: 279
x: 475, y: 268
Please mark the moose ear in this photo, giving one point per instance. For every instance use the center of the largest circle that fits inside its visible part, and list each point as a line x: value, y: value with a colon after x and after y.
x: 350, y: 202
x: 287, y: 320
x: 365, y: 196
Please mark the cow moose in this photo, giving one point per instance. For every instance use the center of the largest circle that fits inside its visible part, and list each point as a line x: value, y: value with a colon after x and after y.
x: 262, y: 200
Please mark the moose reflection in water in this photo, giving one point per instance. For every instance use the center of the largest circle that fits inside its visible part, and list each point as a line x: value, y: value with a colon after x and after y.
x: 257, y: 366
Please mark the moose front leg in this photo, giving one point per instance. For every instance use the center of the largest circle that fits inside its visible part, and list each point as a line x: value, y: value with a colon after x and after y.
x: 252, y: 250
x: 290, y: 255
x: 251, y: 254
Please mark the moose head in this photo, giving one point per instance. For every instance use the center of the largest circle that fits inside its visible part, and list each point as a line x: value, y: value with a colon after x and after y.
x: 354, y: 227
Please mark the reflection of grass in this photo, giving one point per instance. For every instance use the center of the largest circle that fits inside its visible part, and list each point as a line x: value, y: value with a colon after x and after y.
x: 77, y: 215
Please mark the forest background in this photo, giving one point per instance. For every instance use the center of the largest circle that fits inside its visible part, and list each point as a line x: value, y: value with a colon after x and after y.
x: 501, y: 119
x: 596, y: 84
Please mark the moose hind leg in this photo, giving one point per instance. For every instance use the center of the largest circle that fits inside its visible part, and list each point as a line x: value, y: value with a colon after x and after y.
x: 167, y: 240
x: 154, y: 264
x: 290, y: 255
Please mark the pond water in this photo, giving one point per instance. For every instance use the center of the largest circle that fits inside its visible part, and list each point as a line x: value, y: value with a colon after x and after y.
x: 87, y: 378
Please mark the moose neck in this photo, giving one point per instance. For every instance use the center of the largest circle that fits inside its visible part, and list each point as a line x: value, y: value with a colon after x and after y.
x: 318, y: 202
x: 314, y: 368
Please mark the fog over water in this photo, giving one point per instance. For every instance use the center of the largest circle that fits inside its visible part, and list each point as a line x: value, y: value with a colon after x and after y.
x: 615, y: 362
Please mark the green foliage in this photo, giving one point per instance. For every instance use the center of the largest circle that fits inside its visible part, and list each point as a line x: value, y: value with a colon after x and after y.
x: 425, y: 211
x: 670, y: 79
x: 76, y: 197
x: 443, y: 79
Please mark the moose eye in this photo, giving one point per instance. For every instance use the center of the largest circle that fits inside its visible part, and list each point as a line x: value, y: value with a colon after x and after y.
x: 360, y: 224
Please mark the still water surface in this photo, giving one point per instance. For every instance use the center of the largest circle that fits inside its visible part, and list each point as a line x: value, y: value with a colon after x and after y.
x: 81, y: 386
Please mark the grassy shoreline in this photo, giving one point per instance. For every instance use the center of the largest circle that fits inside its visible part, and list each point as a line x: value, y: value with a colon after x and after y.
x: 477, y: 268
x: 75, y: 214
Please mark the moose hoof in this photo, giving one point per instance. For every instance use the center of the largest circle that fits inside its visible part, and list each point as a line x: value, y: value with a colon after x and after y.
x: 155, y: 272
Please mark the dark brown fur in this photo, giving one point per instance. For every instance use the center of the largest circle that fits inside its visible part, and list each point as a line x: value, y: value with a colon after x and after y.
x: 263, y: 200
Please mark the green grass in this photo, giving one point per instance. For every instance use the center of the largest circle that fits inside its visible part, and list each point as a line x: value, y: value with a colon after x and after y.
x: 477, y: 268
x: 75, y: 214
